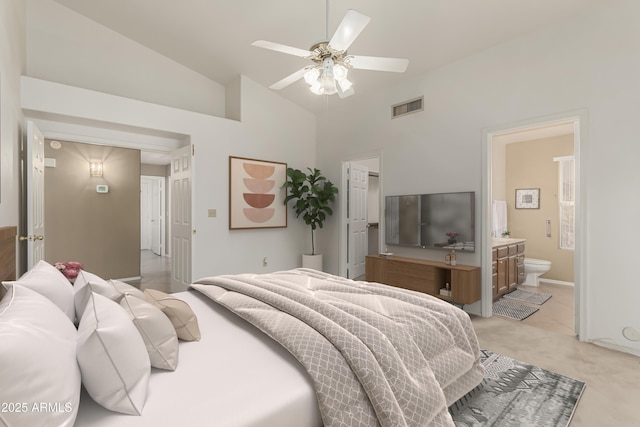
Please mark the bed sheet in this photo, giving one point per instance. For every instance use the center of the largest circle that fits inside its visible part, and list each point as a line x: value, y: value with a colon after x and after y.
x: 235, y: 376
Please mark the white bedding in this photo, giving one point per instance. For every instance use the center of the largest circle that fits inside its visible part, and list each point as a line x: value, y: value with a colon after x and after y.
x: 235, y: 376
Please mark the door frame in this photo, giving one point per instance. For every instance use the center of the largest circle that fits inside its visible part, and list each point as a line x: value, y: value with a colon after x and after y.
x: 344, y: 235
x: 581, y: 278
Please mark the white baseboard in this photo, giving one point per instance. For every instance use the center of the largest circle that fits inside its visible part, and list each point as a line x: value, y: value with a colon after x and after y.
x: 556, y: 282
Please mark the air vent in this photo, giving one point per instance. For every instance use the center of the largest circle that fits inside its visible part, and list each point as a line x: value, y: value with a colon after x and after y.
x: 407, y: 107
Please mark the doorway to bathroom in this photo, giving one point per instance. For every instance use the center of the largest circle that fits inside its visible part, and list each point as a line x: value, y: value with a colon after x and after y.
x: 533, y: 158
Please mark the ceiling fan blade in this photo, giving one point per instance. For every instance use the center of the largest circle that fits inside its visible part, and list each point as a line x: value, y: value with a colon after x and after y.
x: 291, y: 78
x: 378, y: 63
x: 282, y: 48
x: 351, y: 26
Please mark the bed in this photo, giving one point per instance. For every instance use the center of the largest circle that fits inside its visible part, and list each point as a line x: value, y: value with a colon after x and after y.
x: 256, y: 364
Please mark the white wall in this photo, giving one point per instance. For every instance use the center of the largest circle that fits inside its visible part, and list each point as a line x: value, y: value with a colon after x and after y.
x: 12, y: 60
x: 66, y: 47
x: 215, y: 249
x: 591, y: 61
x: 81, y: 54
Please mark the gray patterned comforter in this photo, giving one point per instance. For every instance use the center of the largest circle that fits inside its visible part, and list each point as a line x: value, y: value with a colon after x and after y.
x: 377, y: 355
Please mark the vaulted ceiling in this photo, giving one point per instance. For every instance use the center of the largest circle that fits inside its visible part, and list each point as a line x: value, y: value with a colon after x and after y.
x: 213, y: 37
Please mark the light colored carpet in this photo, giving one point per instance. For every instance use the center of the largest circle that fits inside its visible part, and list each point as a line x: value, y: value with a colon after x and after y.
x: 612, y: 377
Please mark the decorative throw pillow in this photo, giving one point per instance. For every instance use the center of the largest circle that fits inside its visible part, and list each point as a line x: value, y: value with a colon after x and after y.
x: 156, y: 330
x: 112, y: 357
x: 88, y: 282
x: 38, y: 369
x: 125, y: 288
x: 179, y: 312
x: 46, y: 280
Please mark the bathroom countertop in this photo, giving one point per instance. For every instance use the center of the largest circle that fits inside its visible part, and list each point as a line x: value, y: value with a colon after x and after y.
x: 503, y: 241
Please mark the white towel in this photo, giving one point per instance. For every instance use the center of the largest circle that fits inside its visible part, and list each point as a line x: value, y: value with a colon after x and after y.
x: 499, y: 217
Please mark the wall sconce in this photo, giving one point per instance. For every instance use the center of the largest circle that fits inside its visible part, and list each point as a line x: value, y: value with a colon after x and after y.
x: 95, y: 167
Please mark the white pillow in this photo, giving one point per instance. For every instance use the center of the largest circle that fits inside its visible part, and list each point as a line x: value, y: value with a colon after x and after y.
x: 156, y: 330
x: 46, y: 280
x: 88, y: 282
x: 125, y: 288
x: 37, y: 361
x: 182, y: 317
x: 112, y: 357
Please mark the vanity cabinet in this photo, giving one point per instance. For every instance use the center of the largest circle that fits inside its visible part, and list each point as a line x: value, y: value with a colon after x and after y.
x: 426, y: 276
x: 508, y: 267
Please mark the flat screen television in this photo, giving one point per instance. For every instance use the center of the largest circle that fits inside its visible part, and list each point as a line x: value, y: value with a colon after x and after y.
x: 433, y: 221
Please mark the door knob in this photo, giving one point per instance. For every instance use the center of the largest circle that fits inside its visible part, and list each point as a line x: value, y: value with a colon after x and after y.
x: 38, y: 237
x: 24, y: 238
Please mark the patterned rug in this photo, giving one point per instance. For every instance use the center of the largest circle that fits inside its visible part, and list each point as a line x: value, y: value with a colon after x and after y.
x: 528, y: 296
x: 513, y: 310
x: 514, y: 393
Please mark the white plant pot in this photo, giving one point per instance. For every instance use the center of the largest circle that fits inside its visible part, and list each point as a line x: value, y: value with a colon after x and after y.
x: 312, y: 261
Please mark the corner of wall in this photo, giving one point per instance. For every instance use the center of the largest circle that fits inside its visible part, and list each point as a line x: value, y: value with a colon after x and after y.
x: 233, y: 110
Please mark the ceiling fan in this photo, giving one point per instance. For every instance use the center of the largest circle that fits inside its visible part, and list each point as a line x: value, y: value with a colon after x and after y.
x: 331, y: 62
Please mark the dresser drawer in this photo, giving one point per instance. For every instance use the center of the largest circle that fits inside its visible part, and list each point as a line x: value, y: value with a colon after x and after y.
x: 406, y: 269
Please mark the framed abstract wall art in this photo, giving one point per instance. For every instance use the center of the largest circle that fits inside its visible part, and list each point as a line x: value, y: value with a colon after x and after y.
x: 256, y: 196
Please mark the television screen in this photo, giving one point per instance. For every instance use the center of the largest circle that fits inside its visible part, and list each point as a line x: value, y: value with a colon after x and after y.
x: 438, y: 221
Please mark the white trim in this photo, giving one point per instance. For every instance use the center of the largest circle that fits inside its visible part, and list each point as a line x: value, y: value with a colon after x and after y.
x: 581, y: 277
x: 563, y: 158
x: 557, y: 282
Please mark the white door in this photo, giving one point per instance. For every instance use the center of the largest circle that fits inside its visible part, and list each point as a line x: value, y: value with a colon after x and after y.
x: 181, y: 218
x: 357, y: 223
x: 156, y: 215
x: 152, y: 214
x: 35, y: 195
x: 145, y: 220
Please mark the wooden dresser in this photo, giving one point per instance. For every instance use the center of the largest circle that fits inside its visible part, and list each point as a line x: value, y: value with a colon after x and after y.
x: 426, y: 276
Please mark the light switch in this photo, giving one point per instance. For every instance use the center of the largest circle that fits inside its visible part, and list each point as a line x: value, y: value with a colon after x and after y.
x: 211, y: 213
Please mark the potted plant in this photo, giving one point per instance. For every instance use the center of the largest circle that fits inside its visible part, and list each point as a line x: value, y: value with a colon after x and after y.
x: 311, y: 193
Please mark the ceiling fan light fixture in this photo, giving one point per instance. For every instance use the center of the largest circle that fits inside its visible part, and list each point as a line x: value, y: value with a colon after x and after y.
x: 328, y: 84
x: 315, y: 88
x: 311, y: 76
x: 328, y: 74
x: 340, y: 72
x: 345, y: 84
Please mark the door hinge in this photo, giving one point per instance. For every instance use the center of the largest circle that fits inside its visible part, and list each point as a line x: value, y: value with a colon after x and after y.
x: 193, y: 149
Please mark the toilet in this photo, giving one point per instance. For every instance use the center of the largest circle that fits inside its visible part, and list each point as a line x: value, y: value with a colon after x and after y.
x: 533, y: 269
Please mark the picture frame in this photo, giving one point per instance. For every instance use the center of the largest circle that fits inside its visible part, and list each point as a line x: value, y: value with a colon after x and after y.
x: 256, y: 195
x: 528, y: 198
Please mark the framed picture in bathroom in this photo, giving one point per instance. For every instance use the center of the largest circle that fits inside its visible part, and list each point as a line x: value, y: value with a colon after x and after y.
x: 527, y: 198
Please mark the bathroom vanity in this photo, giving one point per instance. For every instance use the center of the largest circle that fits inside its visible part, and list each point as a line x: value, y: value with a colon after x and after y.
x: 507, y: 266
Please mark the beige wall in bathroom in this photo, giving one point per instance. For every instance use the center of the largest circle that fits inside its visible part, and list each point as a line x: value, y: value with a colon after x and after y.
x: 530, y: 164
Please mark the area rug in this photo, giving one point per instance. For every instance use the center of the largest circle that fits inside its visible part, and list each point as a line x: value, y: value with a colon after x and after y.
x: 514, y: 393
x: 513, y: 310
x: 528, y: 296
